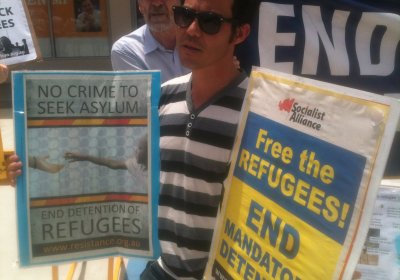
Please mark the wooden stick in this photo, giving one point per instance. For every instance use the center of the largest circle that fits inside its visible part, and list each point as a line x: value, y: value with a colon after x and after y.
x: 117, y: 268
x: 110, y: 268
x: 54, y: 272
x: 71, y: 271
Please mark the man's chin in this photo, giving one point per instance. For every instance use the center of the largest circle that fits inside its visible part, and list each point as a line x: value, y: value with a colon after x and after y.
x: 160, y: 27
x: 191, y: 63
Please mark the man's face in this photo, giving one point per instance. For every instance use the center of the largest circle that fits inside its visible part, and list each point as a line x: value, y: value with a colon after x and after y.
x: 157, y: 13
x: 197, y: 49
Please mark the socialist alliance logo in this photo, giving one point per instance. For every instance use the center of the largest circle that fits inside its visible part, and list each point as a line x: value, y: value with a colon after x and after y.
x: 286, y: 105
x: 303, y: 115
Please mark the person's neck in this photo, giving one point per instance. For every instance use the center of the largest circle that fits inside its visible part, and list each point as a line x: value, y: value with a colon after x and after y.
x: 166, y: 38
x: 207, y: 82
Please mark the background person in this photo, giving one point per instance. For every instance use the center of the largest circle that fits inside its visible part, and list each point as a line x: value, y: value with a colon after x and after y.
x: 152, y: 46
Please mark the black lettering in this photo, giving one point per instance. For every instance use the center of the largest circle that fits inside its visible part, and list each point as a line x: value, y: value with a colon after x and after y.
x: 47, y: 231
x: 102, y: 225
x: 136, y: 226
x: 61, y: 230
x: 11, y: 23
x: 42, y: 108
x: 89, y: 225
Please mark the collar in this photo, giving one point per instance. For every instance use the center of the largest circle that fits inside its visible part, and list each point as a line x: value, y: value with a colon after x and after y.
x: 233, y: 84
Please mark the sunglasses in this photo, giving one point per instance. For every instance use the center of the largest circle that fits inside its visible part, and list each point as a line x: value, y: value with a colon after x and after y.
x: 209, y: 22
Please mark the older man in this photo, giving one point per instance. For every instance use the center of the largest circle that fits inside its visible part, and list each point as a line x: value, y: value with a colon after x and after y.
x: 152, y: 46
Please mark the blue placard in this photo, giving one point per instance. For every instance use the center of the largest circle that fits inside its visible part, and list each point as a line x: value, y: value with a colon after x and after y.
x: 291, y: 182
x: 89, y: 144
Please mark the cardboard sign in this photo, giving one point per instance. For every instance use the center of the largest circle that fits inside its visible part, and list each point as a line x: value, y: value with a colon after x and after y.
x: 306, y: 166
x: 380, y: 257
x: 17, y: 38
x: 89, y: 146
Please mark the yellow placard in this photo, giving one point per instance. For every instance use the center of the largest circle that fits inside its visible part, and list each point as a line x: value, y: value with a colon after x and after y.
x: 295, y: 200
x: 261, y: 240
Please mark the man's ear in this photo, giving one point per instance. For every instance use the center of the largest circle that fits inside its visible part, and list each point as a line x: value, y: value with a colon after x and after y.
x: 140, y: 7
x: 241, y: 33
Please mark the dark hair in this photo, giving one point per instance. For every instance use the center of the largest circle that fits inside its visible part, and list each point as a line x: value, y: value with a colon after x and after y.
x: 244, y: 11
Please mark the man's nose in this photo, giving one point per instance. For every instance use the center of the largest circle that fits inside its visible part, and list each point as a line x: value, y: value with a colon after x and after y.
x: 194, y: 29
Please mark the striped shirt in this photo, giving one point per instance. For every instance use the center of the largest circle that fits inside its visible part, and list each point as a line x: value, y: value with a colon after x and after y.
x: 195, y: 148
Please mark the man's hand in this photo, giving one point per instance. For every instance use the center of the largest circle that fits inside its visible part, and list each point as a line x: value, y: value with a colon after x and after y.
x: 3, y: 73
x: 14, y: 168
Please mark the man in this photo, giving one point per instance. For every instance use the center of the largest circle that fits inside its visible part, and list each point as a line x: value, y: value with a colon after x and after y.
x: 152, y: 46
x: 199, y: 113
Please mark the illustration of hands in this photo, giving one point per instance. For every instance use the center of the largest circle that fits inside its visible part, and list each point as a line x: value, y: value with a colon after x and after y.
x: 14, y: 167
x: 42, y: 163
x: 72, y: 157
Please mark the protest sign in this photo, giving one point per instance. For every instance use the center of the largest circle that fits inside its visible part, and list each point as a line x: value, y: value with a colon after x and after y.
x: 350, y: 43
x: 17, y: 39
x: 89, y: 146
x: 380, y: 257
x: 307, y: 163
